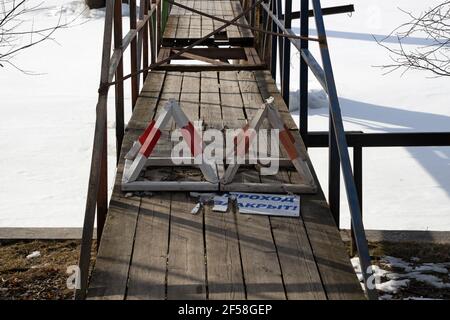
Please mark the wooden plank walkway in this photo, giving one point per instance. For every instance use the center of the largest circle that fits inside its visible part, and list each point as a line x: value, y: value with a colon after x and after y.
x: 153, y: 248
x: 184, y: 27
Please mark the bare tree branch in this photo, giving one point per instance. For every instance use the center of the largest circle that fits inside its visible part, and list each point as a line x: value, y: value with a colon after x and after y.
x: 432, y: 25
x: 17, y: 24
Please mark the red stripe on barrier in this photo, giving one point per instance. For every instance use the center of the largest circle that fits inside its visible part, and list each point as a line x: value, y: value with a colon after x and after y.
x: 235, y: 140
x: 147, y: 131
x: 288, y: 145
x: 291, y: 137
x: 245, y: 138
x: 150, y: 142
x: 192, y: 138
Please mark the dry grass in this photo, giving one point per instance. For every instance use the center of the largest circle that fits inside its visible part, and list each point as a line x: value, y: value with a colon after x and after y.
x: 43, y: 277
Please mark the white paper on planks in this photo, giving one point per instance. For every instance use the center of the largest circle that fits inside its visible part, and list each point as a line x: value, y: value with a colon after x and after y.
x: 264, y: 204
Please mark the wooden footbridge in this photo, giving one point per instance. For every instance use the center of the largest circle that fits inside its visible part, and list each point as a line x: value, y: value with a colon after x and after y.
x: 150, y: 245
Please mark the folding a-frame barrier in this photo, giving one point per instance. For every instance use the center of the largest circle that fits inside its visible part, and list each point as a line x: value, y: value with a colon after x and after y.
x: 138, y: 159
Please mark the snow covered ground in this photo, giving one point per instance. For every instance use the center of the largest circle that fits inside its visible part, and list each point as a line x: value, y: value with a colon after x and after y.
x: 47, y: 121
x: 394, y: 274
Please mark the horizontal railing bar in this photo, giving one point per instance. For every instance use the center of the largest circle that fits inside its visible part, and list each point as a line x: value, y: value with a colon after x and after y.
x: 210, y: 67
x: 117, y: 53
x: 325, y: 11
x: 215, y: 53
x: 391, y: 139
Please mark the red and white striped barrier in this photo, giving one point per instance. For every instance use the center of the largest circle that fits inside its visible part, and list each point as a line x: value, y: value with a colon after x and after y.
x: 144, y: 146
x: 292, y: 147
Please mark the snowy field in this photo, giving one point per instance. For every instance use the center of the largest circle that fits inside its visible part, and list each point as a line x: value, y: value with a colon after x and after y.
x: 47, y: 120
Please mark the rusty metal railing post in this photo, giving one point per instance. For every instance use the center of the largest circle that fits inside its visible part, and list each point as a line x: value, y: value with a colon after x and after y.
x: 98, y: 154
x: 119, y: 95
x: 145, y: 34
x: 134, y: 53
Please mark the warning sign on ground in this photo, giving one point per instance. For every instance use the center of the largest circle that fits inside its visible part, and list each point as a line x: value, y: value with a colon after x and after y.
x: 266, y: 204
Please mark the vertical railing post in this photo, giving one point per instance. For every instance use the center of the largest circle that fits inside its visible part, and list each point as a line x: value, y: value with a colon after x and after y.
x: 99, y: 155
x: 252, y: 15
x: 273, y: 56
x: 152, y: 31
x: 358, y: 176
x: 164, y: 15
x: 133, y: 53
x: 279, y: 10
x: 286, y: 71
x: 119, y: 96
x: 145, y: 34
x: 140, y: 43
x: 158, y: 26
x: 304, y: 31
x: 334, y: 173
x: 102, y: 195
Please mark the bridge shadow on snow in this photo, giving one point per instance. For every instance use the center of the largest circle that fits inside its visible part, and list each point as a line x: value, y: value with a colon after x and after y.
x: 386, y: 39
x: 371, y: 117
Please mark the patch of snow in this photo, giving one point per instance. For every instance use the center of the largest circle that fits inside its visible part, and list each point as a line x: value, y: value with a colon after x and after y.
x: 392, y: 286
x: 34, y: 254
x: 397, y: 280
x: 428, y: 278
x: 394, y: 262
x: 357, y: 267
x: 433, y: 267
x: 419, y: 298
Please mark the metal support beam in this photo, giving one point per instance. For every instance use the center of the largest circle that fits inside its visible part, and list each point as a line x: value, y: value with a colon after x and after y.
x: 274, y: 28
x: 286, y: 71
x: 395, y: 139
x: 338, y: 142
x: 358, y: 176
x: 304, y: 31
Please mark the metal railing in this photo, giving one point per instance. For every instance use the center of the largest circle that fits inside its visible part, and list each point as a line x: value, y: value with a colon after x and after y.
x: 143, y: 39
x: 339, y: 158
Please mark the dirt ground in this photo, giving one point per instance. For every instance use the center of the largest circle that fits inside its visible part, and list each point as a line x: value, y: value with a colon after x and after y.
x: 44, y: 277
x: 39, y: 278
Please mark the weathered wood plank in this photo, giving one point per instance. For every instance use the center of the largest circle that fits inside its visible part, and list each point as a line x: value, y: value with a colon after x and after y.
x: 210, y: 111
x: 190, y: 95
x: 225, y: 279
x: 262, y: 272
x: 144, y: 110
x: 232, y: 106
x: 301, y: 277
x: 186, y: 264
x: 251, y: 95
x: 183, y: 27
x: 109, y: 278
x: 149, y: 261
